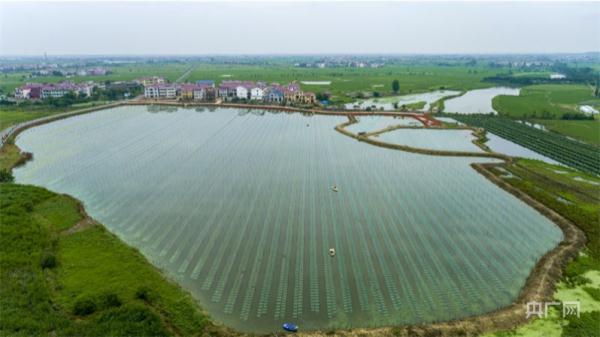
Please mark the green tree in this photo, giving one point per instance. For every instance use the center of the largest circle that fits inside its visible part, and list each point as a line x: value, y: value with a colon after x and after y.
x: 6, y: 176
x: 396, y: 86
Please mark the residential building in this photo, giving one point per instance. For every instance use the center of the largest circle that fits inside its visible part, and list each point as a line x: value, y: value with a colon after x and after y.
x: 256, y: 93
x: 228, y: 89
x: 204, y: 92
x: 309, y: 98
x: 152, y: 80
x: 187, y: 91
x: 293, y: 93
x: 241, y: 92
x: 160, y: 91
x: 273, y: 95
x: 208, y: 83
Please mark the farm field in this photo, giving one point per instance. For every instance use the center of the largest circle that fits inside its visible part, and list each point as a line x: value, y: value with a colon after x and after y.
x: 254, y: 165
x: 573, y: 153
x: 413, y: 79
x: 587, y: 131
x: 127, y: 72
x: 545, y: 101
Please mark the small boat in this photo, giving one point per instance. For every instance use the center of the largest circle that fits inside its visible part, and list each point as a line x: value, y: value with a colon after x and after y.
x: 290, y: 327
x: 334, y: 188
x: 332, y: 252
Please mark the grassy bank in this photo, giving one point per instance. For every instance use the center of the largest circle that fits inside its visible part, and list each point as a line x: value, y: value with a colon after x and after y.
x: 575, y: 196
x: 11, y: 115
x: 548, y: 101
x: 63, y: 274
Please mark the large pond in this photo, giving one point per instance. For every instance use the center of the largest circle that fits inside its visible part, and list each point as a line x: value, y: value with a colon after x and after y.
x: 238, y: 207
x: 390, y: 103
x: 477, y: 101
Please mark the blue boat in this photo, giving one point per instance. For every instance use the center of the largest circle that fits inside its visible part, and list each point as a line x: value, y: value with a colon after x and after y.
x: 290, y: 327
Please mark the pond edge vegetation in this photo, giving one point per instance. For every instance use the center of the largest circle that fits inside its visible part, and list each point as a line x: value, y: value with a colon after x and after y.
x: 539, y: 286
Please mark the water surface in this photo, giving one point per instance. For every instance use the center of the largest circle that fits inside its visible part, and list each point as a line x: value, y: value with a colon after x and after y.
x: 387, y: 103
x: 477, y: 101
x: 238, y: 207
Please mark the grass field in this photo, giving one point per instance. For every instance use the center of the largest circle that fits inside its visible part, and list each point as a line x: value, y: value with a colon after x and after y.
x: 587, y: 131
x: 346, y: 80
x: 545, y: 101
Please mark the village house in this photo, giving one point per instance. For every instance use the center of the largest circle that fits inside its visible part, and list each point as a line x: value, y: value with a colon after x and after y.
x: 204, y: 92
x: 187, y: 91
x: 160, y: 91
x: 241, y: 92
x: 228, y: 89
x: 309, y: 98
x: 152, y: 80
x: 208, y: 83
x: 256, y: 93
x: 53, y: 90
x: 293, y: 93
x: 273, y: 95
x: 29, y: 91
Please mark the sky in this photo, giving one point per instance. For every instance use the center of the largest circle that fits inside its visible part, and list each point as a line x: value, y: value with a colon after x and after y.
x: 198, y: 28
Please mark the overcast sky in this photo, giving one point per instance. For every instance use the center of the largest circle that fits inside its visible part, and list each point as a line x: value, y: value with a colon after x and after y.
x: 175, y: 28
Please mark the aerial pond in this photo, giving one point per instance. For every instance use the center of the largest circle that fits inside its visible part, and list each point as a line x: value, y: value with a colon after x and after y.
x: 238, y: 207
x: 477, y: 101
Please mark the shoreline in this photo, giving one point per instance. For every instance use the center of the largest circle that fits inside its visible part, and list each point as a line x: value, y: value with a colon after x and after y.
x: 539, y: 285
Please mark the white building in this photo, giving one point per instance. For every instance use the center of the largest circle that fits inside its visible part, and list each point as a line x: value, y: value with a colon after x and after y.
x: 151, y: 91
x: 160, y: 91
x: 241, y: 92
x: 256, y: 93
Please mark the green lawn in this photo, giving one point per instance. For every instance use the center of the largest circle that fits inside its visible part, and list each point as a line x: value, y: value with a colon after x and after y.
x: 545, y: 101
x: 85, y: 283
x: 587, y: 131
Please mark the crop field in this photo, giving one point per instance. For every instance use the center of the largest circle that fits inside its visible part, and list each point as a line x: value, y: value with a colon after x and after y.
x: 582, y: 156
x: 587, y: 131
x: 238, y: 207
x: 170, y: 71
x: 346, y: 80
x: 545, y: 101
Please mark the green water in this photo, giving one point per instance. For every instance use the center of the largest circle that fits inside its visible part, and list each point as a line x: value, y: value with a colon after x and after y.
x: 238, y: 207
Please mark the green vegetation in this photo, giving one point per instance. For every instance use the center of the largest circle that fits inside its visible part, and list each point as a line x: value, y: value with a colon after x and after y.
x: 125, y: 72
x: 576, y: 196
x: 548, y: 101
x: 80, y: 281
x: 395, y: 86
x: 573, y: 194
x: 587, y: 131
x: 579, y: 155
x: 346, y: 82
